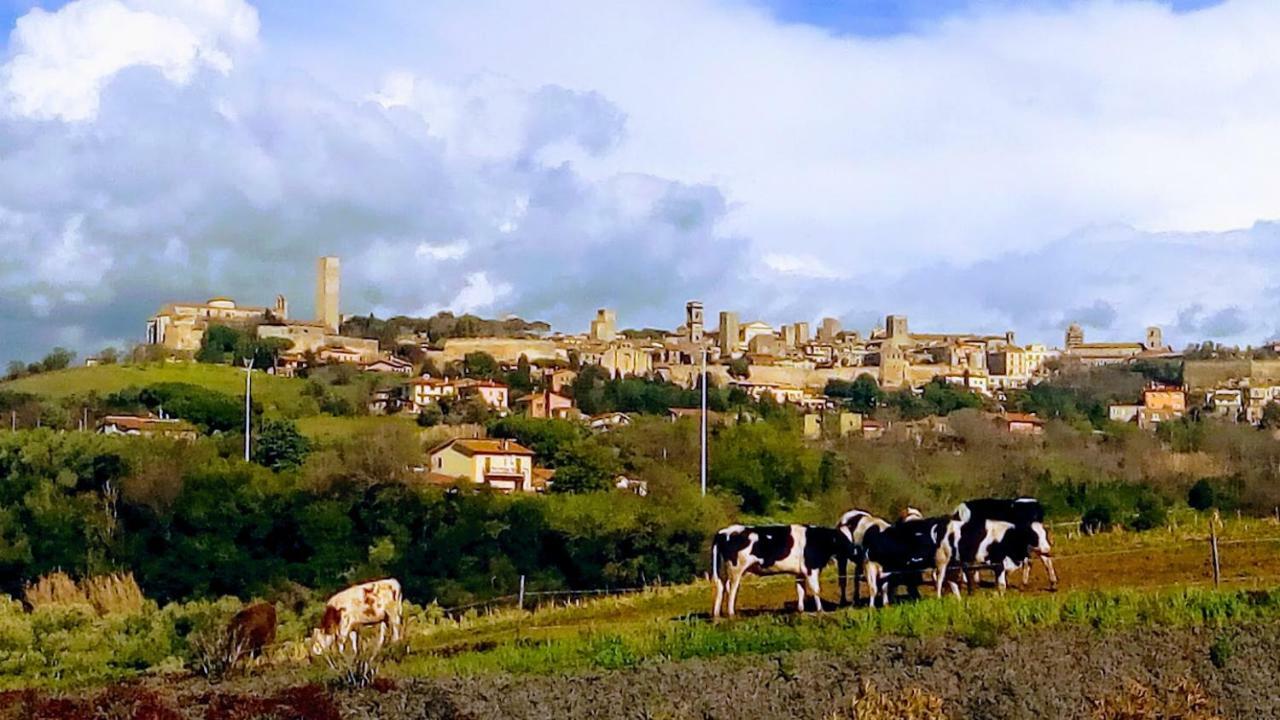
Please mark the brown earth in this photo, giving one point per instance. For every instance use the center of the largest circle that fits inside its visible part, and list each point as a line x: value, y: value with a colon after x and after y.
x: 1067, y: 673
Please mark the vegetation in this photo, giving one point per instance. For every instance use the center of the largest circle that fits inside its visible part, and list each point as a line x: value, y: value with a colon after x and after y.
x: 438, y: 327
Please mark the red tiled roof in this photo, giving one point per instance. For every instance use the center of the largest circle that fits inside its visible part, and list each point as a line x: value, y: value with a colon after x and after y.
x: 471, y: 447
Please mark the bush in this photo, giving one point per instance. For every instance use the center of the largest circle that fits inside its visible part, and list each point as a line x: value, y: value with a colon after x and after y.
x: 1150, y: 513
x: 1096, y: 519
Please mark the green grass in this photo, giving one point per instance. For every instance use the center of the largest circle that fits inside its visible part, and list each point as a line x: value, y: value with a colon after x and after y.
x: 979, y: 621
x: 278, y: 395
x: 327, y: 428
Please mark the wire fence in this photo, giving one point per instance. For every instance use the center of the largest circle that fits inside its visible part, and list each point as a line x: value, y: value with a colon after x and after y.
x: 1209, y: 547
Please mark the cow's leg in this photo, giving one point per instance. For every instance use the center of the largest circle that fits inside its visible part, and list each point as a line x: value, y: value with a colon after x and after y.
x: 1001, y: 579
x: 941, y: 566
x: 842, y: 567
x: 1048, y: 566
x: 1026, y: 574
x: 815, y: 588
x: 735, y: 582
x: 873, y: 583
x: 382, y: 632
x: 397, y: 621
x: 718, y: 583
x: 800, y: 595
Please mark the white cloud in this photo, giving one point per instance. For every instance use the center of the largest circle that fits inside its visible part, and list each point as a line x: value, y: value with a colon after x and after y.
x: 448, y: 251
x: 59, y: 61
x: 801, y: 265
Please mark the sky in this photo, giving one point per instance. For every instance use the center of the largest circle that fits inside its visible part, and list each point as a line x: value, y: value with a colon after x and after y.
x: 975, y: 164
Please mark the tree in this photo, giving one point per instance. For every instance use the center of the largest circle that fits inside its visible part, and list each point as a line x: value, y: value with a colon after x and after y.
x: 480, y: 365
x: 16, y: 369
x: 108, y: 356
x: 861, y: 395
x: 520, y: 380
x: 58, y: 359
x: 430, y: 416
x: 280, y: 446
x: 219, y: 344
x: 584, y: 466
x: 740, y: 368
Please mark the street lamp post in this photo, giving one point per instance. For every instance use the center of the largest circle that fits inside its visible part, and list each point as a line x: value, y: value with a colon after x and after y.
x: 248, y: 383
x: 704, y: 421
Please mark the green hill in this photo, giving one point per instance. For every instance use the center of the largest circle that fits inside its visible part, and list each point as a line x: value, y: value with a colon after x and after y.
x: 278, y: 395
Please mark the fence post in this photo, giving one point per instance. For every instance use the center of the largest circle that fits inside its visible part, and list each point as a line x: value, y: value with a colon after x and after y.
x: 1213, y: 553
x: 520, y: 601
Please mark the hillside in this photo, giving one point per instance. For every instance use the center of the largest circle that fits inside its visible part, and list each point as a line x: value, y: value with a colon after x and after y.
x: 278, y: 395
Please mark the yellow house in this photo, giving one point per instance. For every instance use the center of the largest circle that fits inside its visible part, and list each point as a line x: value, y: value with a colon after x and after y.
x: 503, y: 465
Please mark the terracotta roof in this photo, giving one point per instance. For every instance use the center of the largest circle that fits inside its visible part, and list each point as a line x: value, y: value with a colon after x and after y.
x: 1023, y: 418
x: 471, y: 447
x: 134, y: 422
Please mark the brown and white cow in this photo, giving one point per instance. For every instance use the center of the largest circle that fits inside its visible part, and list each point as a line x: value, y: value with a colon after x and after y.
x: 373, y: 603
x: 799, y: 550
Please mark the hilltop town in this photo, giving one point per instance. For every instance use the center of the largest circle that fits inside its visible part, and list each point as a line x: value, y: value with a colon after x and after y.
x: 790, y: 364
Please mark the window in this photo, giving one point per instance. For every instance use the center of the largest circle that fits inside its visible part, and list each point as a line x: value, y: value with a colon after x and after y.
x: 439, y: 462
x: 488, y: 462
x: 519, y: 465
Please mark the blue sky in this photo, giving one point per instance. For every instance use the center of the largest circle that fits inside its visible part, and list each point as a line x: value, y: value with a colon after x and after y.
x: 976, y: 165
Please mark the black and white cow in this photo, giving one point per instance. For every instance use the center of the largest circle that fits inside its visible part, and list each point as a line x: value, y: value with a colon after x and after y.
x: 799, y: 550
x: 997, y: 533
x: 857, y: 526
x: 901, y: 554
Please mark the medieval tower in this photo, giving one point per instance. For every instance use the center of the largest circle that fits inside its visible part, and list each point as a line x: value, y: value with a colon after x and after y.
x: 327, y: 278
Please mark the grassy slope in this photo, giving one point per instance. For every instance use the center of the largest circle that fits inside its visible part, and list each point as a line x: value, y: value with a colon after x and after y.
x: 278, y: 395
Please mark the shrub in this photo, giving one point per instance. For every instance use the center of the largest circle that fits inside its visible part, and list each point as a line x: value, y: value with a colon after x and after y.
x: 117, y: 593
x: 56, y: 588
x: 1097, y: 518
x: 1221, y: 650
x: 1150, y: 512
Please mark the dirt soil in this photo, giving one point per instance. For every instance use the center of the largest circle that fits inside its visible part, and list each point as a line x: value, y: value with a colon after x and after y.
x: 1061, y: 674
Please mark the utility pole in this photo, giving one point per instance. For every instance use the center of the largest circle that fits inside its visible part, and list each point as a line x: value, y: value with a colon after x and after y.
x: 248, y: 383
x: 704, y: 421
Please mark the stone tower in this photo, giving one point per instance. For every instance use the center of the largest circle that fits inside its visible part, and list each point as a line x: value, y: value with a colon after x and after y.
x: 730, y: 334
x: 281, y: 311
x: 1075, y: 335
x: 693, y: 320
x: 1155, y: 338
x: 802, y: 333
x: 605, y: 326
x: 895, y: 329
x: 327, y: 278
x: 828, y: 330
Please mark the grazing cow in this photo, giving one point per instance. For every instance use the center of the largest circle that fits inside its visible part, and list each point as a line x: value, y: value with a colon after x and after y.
x: 996, y: 533
x: 251, y: 630
x: 857, y: 526
x: 372, y: 603
x: 1024, y: 512
x: 900, y: 554
x: 799, y: 550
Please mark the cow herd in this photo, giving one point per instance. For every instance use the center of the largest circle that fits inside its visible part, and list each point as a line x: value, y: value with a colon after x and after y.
x: 987, y: 534
x: 992, y: 534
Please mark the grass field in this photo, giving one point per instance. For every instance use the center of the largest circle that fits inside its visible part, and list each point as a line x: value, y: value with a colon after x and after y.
x: 1114, y: 579
x: 327, y: 428
x: 278, y: 395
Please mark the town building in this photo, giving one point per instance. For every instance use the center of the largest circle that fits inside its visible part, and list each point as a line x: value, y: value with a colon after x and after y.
x: 605, y: 326
x: 729, y: 336
x: 502, y: 465
x: 328, y: 277
x: 547, y: 404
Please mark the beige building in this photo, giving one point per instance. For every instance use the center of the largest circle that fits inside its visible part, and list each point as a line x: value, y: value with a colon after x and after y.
x: 1111, y: 353
x: 502, y: 465
x: 755, y: 329
x: 493, y: 393
x: 181, y: 326
x: 605, y: 327
x: 314, y: 338
x: 425, y: 391
x: 328, y: 278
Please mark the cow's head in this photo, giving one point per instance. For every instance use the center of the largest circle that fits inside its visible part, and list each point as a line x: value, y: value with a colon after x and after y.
x: 910, y: 513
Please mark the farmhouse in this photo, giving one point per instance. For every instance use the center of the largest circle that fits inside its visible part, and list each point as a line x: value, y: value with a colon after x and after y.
x: 502, y: 465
